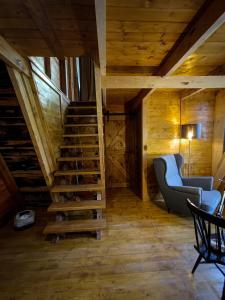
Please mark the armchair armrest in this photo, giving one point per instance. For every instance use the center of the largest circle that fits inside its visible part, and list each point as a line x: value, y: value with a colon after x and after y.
x: 206, y: 183
x: 188, y: 190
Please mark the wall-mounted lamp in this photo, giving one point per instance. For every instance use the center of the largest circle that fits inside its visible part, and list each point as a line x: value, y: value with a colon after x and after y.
x: 190, y: 132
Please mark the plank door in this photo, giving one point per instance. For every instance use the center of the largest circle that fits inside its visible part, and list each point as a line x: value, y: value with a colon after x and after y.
x: 119, y: 153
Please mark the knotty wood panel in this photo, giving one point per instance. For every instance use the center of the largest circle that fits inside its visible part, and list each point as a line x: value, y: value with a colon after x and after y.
x: 140, y: 33
x: 50, y: 103
x: 209, y: 56
x: 68, y: 28
x: 218, y: 156
x: 199, y: 109
x: 163, y: 115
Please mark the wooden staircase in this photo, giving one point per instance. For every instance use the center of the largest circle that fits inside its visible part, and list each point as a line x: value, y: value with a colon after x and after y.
x: 16, y: 146
x: 79, y: 185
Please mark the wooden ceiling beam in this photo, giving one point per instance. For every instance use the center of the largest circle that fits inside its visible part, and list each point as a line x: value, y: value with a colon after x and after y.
x: 12, y: 58
x: 39, y: 14
x: 208, y: 19
x: 100, y: 13
x: 220, y: 70
x: 156, y: 82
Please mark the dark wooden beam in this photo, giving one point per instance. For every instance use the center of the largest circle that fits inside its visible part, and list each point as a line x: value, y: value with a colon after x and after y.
x: 39, y: 14
x: 208, y: 19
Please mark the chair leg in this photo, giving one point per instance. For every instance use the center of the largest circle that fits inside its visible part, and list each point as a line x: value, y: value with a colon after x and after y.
x: 196, y: 263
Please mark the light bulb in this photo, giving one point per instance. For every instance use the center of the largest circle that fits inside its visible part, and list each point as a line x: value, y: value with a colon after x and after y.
x: 190, y: 134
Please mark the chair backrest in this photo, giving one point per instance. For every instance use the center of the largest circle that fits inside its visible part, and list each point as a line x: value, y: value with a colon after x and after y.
x: 210, y: 239
x: 167, y: 169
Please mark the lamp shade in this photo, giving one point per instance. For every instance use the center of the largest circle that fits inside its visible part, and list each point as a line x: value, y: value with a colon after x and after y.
x: 191, y: 131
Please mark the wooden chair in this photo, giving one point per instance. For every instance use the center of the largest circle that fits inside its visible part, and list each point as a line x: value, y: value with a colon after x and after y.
x: 210, y: 239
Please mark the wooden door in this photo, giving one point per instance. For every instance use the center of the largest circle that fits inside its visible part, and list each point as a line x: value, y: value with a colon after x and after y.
x: 118, y: 151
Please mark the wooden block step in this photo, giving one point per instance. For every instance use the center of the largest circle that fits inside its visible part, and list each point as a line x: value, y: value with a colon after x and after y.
x: 77, y: 205
x: 64, y: 188
x: 92, y: 146
x: 81, y: 125
x: 14, y: 124
x: 75, y: 226
x: 82, y: 103
x: 76, y: 172
x: 81, y: 116
x: 80, y: 135
x: 31, y: 189
x: 74, y: 158
x: 28, y: 173
x: 81, y: 107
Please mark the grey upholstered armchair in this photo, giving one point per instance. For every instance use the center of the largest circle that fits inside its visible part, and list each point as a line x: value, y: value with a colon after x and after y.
x: 176, y: 189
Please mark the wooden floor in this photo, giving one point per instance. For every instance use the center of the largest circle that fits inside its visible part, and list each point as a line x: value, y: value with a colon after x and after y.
x: 145, y: 253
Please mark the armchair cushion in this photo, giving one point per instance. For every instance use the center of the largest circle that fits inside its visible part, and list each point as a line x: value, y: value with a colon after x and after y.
x: 210, y: 200
x: 206, y: 182
x: 172, y: 175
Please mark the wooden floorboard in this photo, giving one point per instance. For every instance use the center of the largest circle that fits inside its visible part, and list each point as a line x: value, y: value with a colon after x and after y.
x: 145, y: 253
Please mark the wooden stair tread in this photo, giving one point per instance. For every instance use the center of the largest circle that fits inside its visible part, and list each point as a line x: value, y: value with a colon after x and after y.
x: 31, y: 189
x: 74, y: 158
x: 76, y: 172
x: 83, y: 116
x: 81, y: 107
x: 77, y: 205
x: 81, y: 125
x: 79, y: 146
x: 61, y: 188
x: 81, y: 103
x: 14, y: 124
x: 24, y: 173
x: 75, y: 226
x: 81, y: 135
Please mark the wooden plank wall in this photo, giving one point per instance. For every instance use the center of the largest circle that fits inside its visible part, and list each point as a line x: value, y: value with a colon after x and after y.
x: 163, y: 115
x: 50, y: 104
x: 199, y: 109
x: 218, y: 157
x: 53, y: 104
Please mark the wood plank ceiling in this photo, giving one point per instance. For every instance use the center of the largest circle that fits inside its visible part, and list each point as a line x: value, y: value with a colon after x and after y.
x: 140, y: 33
x: 50, y: 27
x: 207, y: 58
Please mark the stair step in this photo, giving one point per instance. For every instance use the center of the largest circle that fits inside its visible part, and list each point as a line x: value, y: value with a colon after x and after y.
x: 81, y: 125
x: 81, y: 116
x: 76, y: 188
x: 30, y: 189
x: 75, y: 226
x: 81, y: 135
x: 81, y: 107
x: 79, y: 146
x: 77, y: 205
x: 82, y: 103
x: 76, y: 172
x: 14, y: 124
x: 74, y: 158
x: 28, y: 173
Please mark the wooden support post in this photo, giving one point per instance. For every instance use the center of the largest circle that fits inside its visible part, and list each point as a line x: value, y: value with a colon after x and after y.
x: 100, y: 127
